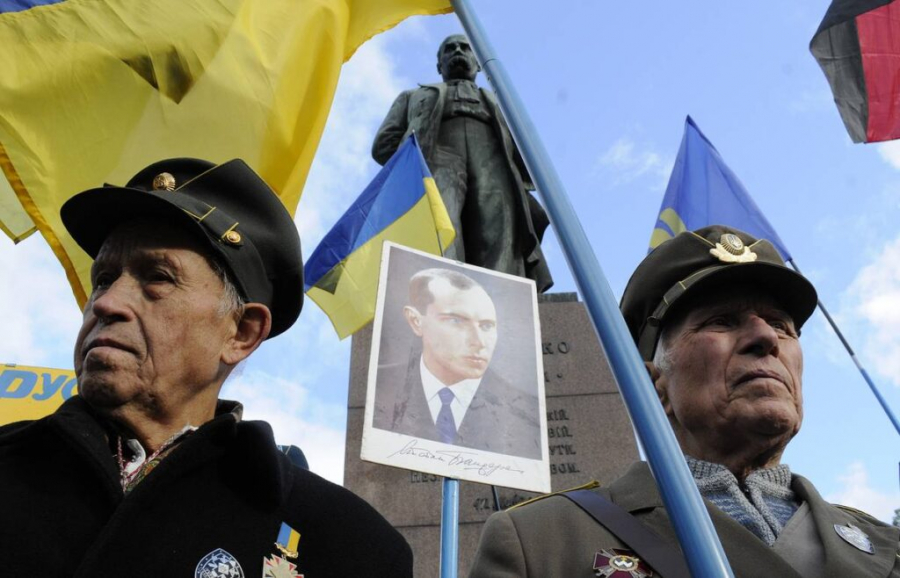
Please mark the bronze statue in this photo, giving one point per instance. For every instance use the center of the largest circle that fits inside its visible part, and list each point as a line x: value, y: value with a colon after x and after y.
x: 476, y: 166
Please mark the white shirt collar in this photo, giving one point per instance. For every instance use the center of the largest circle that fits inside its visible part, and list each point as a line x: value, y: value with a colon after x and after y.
x: 463, y: 392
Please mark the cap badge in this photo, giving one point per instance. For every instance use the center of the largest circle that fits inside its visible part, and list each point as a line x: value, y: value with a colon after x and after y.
x: 619, y: 563
x: 730, y: 249
x: 164, y: 182
x: 218, y: 564
x: 855, y: 537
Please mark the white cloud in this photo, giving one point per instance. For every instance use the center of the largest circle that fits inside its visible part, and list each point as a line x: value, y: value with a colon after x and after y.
x: 343, y: 165
x: 873, y: 299
x: 628, y: 162
x: 39, y: 317
x: 297, y: 417
x: 857, y: 493
x: 890, y: 152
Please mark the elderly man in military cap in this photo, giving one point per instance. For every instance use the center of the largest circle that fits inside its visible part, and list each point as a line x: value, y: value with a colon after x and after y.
x: 147, y: 473
x: 716, y: 316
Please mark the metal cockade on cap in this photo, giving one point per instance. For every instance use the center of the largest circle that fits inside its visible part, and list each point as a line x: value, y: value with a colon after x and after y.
x: 730, y: 249
x: 164, y: 182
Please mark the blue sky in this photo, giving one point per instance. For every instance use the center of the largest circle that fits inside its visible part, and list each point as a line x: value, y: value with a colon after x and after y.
x: 608, y: 86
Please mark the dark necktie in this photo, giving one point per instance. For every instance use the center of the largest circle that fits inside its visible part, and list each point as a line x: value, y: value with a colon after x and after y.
x: 446, y: 425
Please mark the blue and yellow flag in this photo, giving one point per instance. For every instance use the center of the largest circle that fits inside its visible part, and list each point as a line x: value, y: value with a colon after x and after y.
x: 91, y: 91
x: 401, y: 204
x: 703, y: 191
x: 33, y: 392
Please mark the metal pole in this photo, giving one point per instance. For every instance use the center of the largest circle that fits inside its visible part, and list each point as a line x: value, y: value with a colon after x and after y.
x: 855, y: 359
x: 690, y: 519
x: 450, y: 529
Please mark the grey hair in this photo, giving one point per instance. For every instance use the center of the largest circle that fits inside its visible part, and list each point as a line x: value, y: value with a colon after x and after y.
x: 232, y: 302
x: 661, y: 358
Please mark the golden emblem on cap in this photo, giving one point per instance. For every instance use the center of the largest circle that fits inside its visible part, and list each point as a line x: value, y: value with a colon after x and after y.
x: 730, y: 249
x: 164, y: 182
x: 233, y: 237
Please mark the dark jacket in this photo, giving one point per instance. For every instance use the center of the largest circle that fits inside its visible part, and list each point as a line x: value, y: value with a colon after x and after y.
x: 500, y: 418
x: 554, y: 537
x: 225, y: 486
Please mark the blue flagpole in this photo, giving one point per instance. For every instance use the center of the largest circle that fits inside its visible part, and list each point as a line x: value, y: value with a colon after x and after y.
x: 450, y: 529
x: 690, y: 519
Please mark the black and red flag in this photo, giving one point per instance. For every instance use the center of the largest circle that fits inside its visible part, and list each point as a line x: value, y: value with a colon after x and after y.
x: 858, y: 47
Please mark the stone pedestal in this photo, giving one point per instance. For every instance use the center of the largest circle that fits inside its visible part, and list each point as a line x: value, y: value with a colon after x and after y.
x: 590, y: 437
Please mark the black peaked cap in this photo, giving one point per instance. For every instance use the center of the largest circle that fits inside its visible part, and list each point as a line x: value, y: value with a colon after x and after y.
x: 693, y: 260
x: 245, y: 224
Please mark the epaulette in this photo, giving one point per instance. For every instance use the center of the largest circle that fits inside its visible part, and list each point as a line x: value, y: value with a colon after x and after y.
x: 588, y: 486
x: 854, y: 511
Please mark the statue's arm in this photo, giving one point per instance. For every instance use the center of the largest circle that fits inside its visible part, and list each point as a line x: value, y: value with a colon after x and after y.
x: 389, y: 135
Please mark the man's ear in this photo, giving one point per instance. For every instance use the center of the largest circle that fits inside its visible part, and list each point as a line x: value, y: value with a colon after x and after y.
x: 414, y: 318
x: 659, y: 383
x: 252, y: 329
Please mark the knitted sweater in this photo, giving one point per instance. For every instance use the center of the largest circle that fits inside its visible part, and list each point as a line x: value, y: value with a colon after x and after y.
x: 763, y: 503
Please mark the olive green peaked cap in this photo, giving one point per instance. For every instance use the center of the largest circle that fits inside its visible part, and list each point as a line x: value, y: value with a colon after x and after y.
x: 692, y: 260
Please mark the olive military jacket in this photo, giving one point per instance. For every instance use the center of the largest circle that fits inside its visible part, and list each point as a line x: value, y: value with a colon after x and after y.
x: 554, y: 537
x: 226, y: 486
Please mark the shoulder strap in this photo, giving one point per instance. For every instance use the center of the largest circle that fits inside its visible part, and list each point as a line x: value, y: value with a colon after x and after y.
x: 663, y: 557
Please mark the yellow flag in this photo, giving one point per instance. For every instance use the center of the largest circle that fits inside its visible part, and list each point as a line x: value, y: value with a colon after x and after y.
x: 33, y: 392
x: 91, y: 91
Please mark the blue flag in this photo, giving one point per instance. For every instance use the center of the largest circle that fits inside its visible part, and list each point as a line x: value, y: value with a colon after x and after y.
x: 402, y: 204
x: 703, y: 191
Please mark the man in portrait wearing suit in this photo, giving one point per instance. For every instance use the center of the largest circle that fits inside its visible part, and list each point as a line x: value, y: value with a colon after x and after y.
x: 476, y: 166
x: 446, y: 391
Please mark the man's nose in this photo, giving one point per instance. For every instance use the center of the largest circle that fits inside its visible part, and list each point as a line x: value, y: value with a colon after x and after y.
x: 476, y: 338
x: 113, y: 303
x: 759, y: 337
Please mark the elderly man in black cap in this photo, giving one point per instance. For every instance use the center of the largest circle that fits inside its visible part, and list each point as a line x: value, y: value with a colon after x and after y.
x: 147, y: 473
x: 716, y: 316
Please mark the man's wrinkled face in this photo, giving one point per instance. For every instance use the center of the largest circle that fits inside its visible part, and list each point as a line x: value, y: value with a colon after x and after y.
x: 458, y: 331
x: 733, y: 369
x: 456, y: 60
x: 153, y: 328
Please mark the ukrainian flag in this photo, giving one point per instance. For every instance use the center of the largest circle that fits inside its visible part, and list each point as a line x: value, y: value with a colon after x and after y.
x: 703, y: 191
x: 401, y: 205
x: 92, y: 91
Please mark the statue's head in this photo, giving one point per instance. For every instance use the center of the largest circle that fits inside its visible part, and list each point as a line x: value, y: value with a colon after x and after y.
x: 456, y: 60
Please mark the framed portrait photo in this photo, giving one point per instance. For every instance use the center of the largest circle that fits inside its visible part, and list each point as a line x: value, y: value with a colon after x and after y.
x: 455, y: 384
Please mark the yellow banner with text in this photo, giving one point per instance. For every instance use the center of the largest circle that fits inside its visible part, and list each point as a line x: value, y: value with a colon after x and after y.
x: 33, y: 392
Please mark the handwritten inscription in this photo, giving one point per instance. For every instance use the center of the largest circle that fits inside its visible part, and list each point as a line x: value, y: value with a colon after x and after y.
x: 557, y: 415
x: 459, y: 459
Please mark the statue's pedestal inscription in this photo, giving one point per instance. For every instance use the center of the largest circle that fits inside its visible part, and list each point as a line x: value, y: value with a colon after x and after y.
x: 589, y: 435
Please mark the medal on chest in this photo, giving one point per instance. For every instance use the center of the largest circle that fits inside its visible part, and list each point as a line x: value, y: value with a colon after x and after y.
x: 278, y: 565
x: 218, y: 564
x: 619, y: 563
x: 855, y: 537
